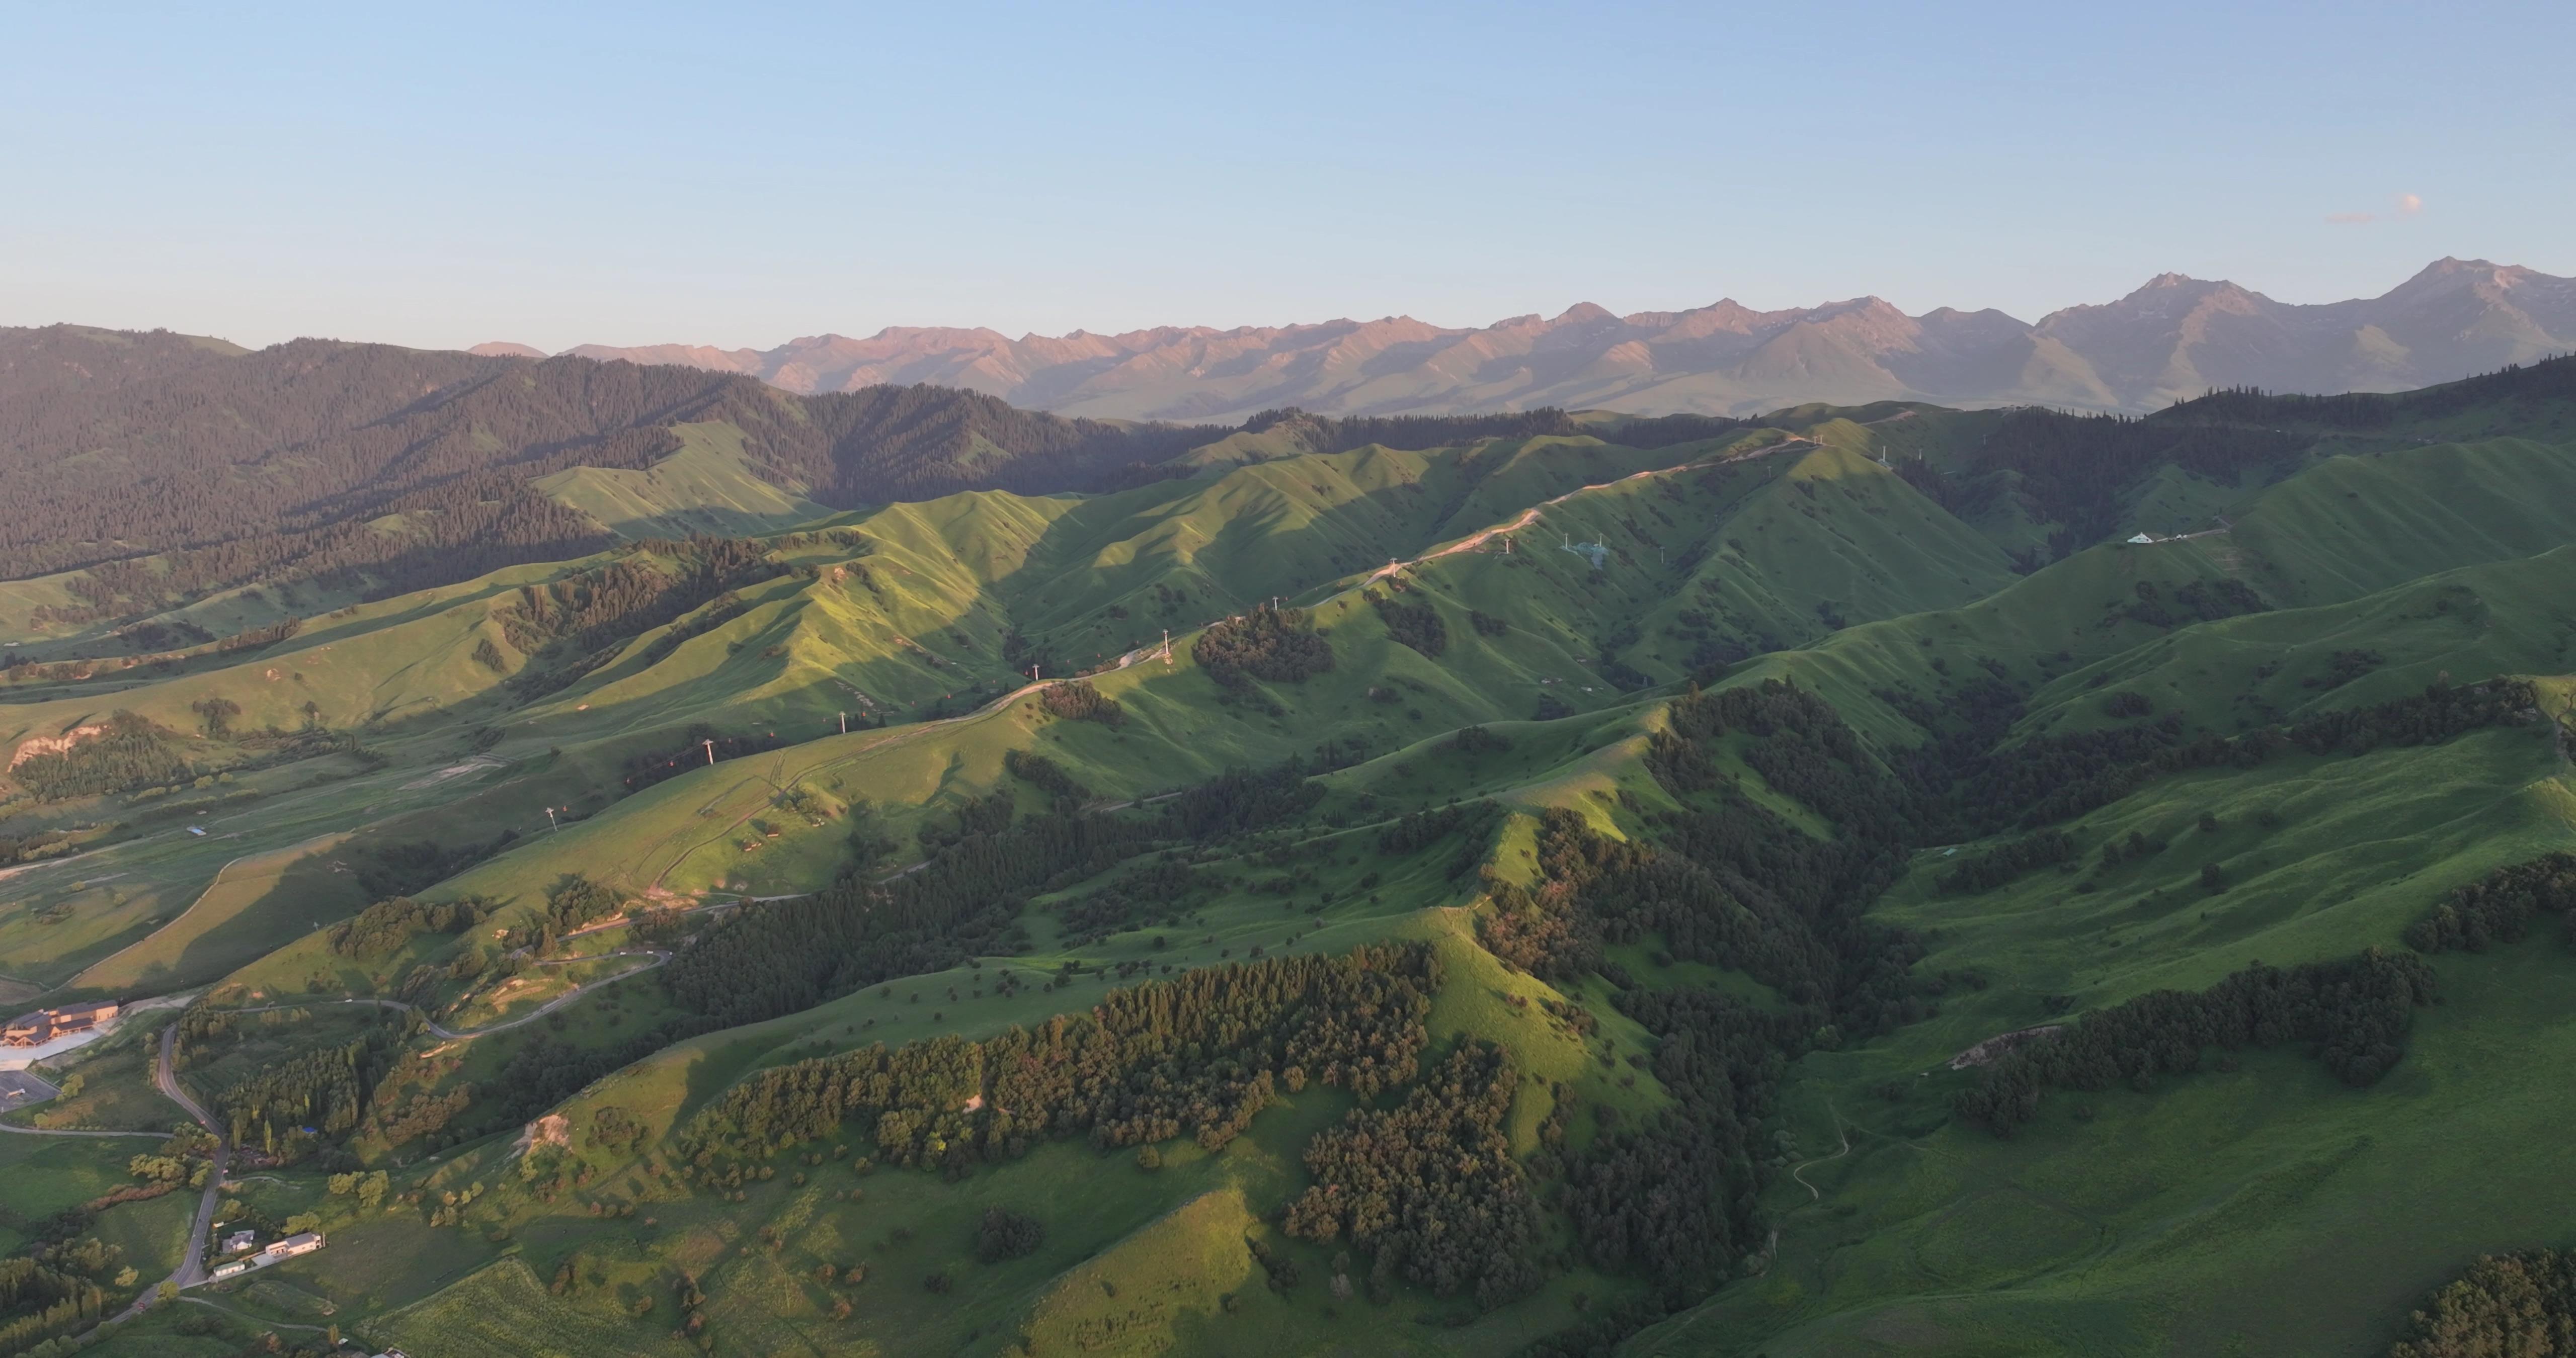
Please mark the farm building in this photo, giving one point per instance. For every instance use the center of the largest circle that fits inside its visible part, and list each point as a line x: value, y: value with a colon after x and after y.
x: 44, y: 1025
x: 291, y: 1246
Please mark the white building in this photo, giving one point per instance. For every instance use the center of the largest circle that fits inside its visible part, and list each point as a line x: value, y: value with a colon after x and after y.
x: 291, y: 1246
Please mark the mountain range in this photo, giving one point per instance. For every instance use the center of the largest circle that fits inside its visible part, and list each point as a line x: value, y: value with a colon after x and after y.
x: 2171, y: 339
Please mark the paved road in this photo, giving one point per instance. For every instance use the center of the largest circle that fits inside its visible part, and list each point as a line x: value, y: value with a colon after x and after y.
x: 192, y: 1268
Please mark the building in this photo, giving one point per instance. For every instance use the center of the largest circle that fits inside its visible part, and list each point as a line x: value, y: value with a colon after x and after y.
x: 228, y: 1270
x: 239, y: 1241
x: 290, y: 1247
x: 44, y: 1025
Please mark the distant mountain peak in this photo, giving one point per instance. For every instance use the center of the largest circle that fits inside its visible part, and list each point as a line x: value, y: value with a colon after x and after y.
x: 505, y: 349
x: 2173, y: 336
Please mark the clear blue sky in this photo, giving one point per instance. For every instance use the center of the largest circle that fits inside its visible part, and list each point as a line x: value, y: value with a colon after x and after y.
x: 739, y: 174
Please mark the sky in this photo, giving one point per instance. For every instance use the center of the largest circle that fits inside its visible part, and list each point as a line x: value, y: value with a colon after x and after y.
x: 742, y: 174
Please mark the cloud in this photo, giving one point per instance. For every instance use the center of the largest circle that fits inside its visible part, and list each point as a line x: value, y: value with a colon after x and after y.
x: 2408, y: 204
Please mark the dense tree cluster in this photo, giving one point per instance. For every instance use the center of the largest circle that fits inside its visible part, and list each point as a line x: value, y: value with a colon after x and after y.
x: 791, y: 955
x: 1725, y: 881
x: 2343, y: 667
x: 698, y: 746
x: 1663, y: 431
x: 2352, y: 1015
x: 2073, y: 469
x: 1078, y: 700
x: 2498, y: 908
x: 2547, y: 380
x: 1416, y: 830
x: 1415, y: 625
x: 581, y: 621
x: 2520, y: 1305
x: 2008, y: 860
x: 965, y: 900
x: 543, y: 1071
x: 1429, y: 1188
x: 38, y: 1301
x: 1730, y: 882
x: 1197, y: 1055
x: 424, y: 1114
x: 1159, y: 890
x: 1674, y: 1198
x: 705, y: 618
x: 1045, y: 775
x: 2441, y: 712
x: 1277, y: 644
x: 385, y: 926
x: 256, y: 637
x: 290, y: 1108
x: 407, y: 866
x: 573, y: 900
x: 2196, y: 601
x: 2126, y: 703
x: 1331, y: 434
x: 1245, y: 799
x: 132, y: 752
x: 1968, y: 784
x: 1545, y: 932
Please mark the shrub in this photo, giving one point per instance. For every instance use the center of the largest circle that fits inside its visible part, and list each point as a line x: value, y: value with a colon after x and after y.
x: 1006, y: 1234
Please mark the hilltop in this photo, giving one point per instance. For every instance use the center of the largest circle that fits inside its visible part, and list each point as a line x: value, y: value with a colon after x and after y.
x: 1542, y: 884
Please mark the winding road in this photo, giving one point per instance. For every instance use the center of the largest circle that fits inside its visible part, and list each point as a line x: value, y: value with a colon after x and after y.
x: 192, y: 1268
x: 1799, y: 1171
x: 659, y: 956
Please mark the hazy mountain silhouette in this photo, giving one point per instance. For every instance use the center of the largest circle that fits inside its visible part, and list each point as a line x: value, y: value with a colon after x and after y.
x: 2172, y: 338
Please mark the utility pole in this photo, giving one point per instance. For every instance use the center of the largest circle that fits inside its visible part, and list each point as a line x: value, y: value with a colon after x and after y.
x: 845, y: 723
x: 1167, y: 645
x: 711, y: 752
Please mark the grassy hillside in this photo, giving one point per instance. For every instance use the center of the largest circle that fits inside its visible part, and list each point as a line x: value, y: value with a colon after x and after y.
x: 1665, y: 817
x: 704, y: 487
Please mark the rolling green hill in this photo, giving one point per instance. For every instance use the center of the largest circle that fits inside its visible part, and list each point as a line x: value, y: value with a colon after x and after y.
x: 1555, y: 895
